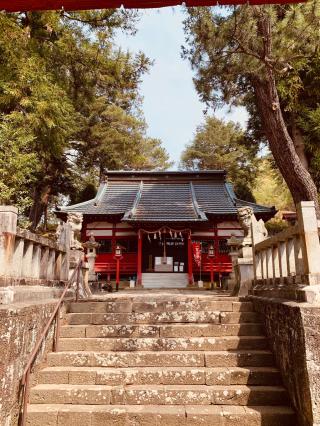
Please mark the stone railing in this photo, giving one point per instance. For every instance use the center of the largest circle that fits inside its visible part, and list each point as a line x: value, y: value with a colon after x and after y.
x: 287, y: 265
x: 31, y: 266
x: 27, y: 258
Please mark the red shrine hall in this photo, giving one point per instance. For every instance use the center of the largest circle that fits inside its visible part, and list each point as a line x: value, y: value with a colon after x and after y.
x: 173, y: 223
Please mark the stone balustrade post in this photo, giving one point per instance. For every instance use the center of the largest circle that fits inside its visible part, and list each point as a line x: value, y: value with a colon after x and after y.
x: 283, y: 261
x: 310, y: 246
x: 269, y: 264
x: 8, y: 228
x: 51, y: 265
x: 291, y: 264
x: 44, y: 262
x: 275, y: 262
x: 16, y: 264
x: 36, y: 259
x: 57, y: 266
x: 258, y: 266
x: 264, y: 264
x: 298, y: 257
x: 27, y: 259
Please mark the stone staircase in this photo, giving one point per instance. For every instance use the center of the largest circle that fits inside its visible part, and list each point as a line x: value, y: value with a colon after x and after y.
x: 165, y: 280
x: 187, y: 359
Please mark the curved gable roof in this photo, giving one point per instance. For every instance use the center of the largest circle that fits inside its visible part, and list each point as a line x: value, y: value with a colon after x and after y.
x: 165, y: 196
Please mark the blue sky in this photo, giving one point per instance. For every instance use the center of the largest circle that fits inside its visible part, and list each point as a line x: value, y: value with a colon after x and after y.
x: 170, y: 103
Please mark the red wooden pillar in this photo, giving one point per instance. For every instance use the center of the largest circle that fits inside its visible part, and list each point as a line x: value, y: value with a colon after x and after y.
x: 190, y: 269
x: 118, y: 271
x: 211, y: 271
x: 139, y: 266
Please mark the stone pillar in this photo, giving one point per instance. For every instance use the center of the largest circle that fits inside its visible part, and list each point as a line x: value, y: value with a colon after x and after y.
x: 36, y: 259
x: 64, y: 240
x: 91, y: 246
x: 16, y: 265
x: 91, y: 257
x: 8, y: 229
x: 44, y: 262
x: 58, y: 266
x: 308, y: 225
x: 27, y: 259
x: 234, y: 254
x: 51, y: 264
x: 245, y: 270
x: 234, y: 244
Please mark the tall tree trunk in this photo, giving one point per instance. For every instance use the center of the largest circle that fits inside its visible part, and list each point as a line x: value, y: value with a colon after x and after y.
x: 298, y: 179
x: 298, y: 142
x: 40, y: 203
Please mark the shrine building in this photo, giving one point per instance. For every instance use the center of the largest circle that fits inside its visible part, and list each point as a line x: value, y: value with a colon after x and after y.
x: 160, y: 220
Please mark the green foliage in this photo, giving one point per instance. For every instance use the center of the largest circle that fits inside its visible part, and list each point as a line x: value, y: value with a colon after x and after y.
x: 307, y: 111
x: 276, y: 225
x: 235, y: 50
x: 116, y: 140
x: 69, y: 106
x: 17, y: 164
x: 269, y: 187
x: 227, y: 50
x: 220, y: 145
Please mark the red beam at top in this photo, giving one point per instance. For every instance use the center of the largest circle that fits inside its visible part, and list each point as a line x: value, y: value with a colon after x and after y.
x: 33, y: 5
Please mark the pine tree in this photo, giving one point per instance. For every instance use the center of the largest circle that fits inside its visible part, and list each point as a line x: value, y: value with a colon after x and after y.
x: 240, y: 55
x: 220, y: 145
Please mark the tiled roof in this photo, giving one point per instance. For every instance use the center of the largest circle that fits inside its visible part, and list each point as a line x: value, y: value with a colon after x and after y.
x: 165, y: 196
x: 113, y: 198
x: 165, y: 201
x: 213, y: 198
x: 258, y: 208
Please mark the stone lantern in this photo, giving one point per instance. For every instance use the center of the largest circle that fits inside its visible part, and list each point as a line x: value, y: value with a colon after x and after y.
x: 91, y: 246
x: 234, y: 244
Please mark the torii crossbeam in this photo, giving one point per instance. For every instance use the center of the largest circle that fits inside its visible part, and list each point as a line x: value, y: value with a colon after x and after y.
x: 33, y: 5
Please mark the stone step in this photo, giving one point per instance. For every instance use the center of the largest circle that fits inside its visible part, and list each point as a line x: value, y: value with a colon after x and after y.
x: 158, y: 394
x: 160, y: 415
x: 165, y: 280
x: 163, y: 344
x: 147, y: 283
x: 163, y: 330
x: 142, y: 295
x: 160, y: 305
x: 163, y: 375
x: 214, y: 317
x: 239, y: 358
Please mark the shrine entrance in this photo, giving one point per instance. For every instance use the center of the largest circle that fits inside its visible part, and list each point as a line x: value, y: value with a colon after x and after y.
x: 166, y: 254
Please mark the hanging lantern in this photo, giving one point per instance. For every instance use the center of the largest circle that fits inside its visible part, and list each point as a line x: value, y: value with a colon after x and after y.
x: 170, y: 233
x: 149, y: 238
x: 160, y: 234
x: 211, y: 251
x: 175, y: 235
x: 154, y: 236
x: 180, y: 235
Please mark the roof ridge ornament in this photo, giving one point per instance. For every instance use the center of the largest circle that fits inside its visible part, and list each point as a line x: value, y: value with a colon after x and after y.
x: 130, y: 213
x: 100, y: 193
x: 227, y: 185
x: 200, y: 213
